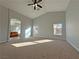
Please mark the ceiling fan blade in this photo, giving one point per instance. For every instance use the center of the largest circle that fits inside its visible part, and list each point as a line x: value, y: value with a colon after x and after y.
x: 39, y: 1
x: 30, y: 4
x: 39, y: 6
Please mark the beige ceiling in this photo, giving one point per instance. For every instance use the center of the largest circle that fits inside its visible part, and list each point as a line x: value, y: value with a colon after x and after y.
x: 48, y: 6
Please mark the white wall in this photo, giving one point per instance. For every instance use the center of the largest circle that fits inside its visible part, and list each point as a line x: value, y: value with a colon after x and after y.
x: 5, y: 16
x: 26, y: 23
x: 72, y: 21
x: 45, y: 24
x: 3, y: 24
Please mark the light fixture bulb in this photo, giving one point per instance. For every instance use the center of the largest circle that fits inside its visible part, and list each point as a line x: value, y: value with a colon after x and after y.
x: 33, y: 5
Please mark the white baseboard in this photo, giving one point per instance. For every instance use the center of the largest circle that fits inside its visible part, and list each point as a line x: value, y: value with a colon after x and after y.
x: 77, y: 49
x: 3, y: 41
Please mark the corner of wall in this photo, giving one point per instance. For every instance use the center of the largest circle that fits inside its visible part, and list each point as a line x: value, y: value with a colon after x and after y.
x: 77, y: 49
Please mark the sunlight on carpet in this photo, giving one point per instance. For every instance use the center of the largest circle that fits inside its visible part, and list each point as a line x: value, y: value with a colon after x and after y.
x: 22, y: 44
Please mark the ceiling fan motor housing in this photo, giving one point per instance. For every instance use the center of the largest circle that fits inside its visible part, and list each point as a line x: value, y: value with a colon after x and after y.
x: 35, y: 4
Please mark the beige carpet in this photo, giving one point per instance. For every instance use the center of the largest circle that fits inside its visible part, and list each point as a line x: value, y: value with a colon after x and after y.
x: 56, y: 49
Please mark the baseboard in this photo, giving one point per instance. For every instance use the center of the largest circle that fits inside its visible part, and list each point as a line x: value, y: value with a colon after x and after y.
x: 57, y: 38
x: 2, y: 42
x: 77, y: 49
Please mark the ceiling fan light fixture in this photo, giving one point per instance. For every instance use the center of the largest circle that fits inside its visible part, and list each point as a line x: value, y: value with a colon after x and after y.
x: 35, y: 4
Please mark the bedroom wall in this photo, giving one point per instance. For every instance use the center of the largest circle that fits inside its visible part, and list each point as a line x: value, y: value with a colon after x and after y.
x: 72, y: 21
x: 5, y: 16
x: 3, y: 24
x: 26, y: 26
x: 44, y: 24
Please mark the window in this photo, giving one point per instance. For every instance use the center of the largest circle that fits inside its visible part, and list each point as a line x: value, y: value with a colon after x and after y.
x: 28, y: 32
x: 14, y: 28
x: 35, y: 28
x: 57, y: 29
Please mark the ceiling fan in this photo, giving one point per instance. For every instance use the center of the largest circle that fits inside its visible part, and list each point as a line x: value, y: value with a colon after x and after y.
x: 35, y: 4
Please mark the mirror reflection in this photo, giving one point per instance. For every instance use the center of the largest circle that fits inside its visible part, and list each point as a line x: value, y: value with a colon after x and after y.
x: 15, y: 29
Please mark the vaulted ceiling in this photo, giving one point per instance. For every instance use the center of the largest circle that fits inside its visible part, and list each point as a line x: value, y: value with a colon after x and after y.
x: 48, y: 6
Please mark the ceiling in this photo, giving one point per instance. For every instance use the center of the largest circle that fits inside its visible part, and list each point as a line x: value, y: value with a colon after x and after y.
x: 48, y: 6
